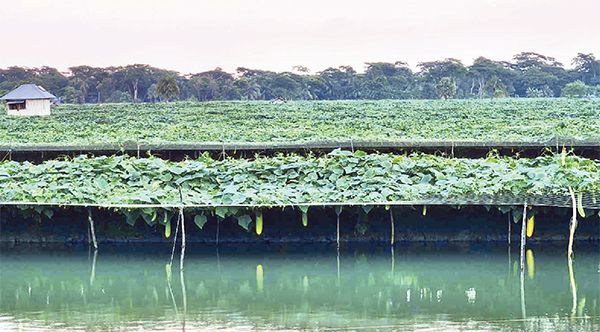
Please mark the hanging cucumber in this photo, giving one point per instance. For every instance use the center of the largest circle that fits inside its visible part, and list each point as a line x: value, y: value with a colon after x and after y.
x: 530, y: 223
x: 168, y: 229
x: 259, y: 222
x: 580, y: 205
x: 304, y: 210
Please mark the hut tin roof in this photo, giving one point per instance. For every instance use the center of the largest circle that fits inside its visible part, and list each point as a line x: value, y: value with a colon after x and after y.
x: 28, y: 92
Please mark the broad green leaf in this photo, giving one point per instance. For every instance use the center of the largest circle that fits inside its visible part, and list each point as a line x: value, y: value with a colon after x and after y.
x: 244, y: 221
x: 200, y: 220
x: 221, y: 212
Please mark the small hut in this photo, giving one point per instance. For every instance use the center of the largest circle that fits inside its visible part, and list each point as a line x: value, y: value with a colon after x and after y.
x: 27, y: 100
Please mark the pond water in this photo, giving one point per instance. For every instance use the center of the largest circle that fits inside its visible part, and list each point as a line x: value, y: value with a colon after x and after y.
x: 472, y: 287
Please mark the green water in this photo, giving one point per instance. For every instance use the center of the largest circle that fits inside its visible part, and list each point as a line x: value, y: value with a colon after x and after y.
x: 283, y: 288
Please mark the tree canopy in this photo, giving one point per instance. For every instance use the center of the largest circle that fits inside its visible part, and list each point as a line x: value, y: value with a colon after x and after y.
x: 528, y: 74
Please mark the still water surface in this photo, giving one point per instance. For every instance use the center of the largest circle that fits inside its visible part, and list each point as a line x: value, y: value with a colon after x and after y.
x: 287, y: 288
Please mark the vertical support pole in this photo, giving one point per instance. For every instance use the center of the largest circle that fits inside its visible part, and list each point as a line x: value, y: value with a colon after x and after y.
x: 573, y: 285
x: 509, y: 227
x: 572, y: 227
x: 572, y: 224
x: 93, y: 273
x: 183, y: 293
x: 182, y: 238
x: 218, y: 224
x: 523, y: 239
x: 393, y: 227
x: 338, y: 233
x: 182, y: 218
x: 93, y: 232
x: 338, y: 211
x: 392, y: 239
x: 523, y: 236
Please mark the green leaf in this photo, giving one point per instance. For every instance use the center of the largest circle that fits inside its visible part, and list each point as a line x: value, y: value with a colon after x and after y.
x: 221, y: 212
x: 132, y: 216
x: 176, y: 170
x: 48, y: 212
x: 100, y: 182
x: 244, y: 221
x: 200, y: 220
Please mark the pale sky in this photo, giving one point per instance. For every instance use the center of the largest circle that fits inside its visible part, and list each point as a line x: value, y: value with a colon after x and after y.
x: 192, y: 36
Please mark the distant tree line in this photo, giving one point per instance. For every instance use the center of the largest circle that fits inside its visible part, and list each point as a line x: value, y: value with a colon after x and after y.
x: 527, y: 75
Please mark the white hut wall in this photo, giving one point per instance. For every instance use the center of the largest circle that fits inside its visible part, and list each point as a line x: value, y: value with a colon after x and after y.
x: 39, y: 107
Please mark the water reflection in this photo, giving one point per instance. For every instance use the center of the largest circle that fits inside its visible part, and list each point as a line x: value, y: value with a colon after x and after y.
x: 452, y: 287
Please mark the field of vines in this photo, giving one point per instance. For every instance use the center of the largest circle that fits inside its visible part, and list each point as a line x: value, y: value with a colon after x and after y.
x: 499, y: 120
x: 236, y: 187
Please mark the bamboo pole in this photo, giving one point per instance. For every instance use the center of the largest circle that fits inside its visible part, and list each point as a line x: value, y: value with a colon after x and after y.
x: 338, y: 232
x: 523, y: 236
x: 522, y: 276
x: 174, y: 243
x: 509, y: 226
x: 393, y: 228
x: 218, y: 226
x: 184, y: 295
x: 93, y: 232
x: 523, y: 309
x: 572, y: 224
x: 181, y: 216
x: 93, y: 273
x: 573, y: 285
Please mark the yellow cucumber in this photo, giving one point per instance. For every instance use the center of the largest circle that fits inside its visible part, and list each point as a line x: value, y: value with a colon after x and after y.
x: 259, y: 223
x: 530, y: 263
x: 260, y: 279
x: 304, y: 219
x: 424, y: 210
x: 530, y: 223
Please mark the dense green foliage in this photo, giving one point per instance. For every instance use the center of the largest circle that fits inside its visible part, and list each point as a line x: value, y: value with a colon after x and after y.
x: 527, y: 75
x: 499, y: 120
x: 340, y: 177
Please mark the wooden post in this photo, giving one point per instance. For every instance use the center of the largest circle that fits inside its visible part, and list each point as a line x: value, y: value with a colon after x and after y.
x: 93, y: 232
